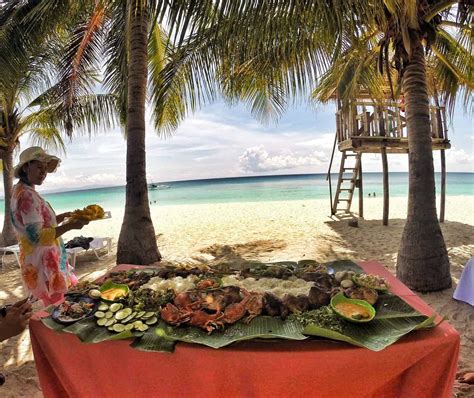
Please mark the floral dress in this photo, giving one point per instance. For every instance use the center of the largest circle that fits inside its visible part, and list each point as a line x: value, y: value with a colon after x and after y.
x: 43, y: 258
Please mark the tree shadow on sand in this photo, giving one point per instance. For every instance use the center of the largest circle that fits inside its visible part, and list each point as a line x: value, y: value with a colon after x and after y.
x: 371, y: 238
x: 238, y: 254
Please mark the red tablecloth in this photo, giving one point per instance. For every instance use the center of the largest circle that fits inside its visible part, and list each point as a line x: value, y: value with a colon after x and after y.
x: 422, y: 364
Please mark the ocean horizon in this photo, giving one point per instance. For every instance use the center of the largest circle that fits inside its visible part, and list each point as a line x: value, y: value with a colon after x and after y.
x: 248, y: 189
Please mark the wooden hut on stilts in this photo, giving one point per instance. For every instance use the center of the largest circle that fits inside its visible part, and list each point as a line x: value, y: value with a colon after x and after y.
x: 366, y: 126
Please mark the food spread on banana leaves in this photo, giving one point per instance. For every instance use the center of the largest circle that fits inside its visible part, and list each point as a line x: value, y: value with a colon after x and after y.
x: 213, y: 299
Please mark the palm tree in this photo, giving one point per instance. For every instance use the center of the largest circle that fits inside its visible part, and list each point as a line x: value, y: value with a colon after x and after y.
x: 410, y: 30
x: 137, y: 242
x: 120, y: 40
x: 280, y: 47
x: 18, y: 82
x: 27, y: 64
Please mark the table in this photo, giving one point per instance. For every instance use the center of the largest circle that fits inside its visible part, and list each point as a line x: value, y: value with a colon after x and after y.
x: 422, y: 364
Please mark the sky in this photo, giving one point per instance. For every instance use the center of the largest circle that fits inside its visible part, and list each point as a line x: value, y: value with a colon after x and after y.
x: 222, y: 141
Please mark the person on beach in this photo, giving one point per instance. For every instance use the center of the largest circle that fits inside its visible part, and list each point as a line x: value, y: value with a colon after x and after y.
x: 43, y: 259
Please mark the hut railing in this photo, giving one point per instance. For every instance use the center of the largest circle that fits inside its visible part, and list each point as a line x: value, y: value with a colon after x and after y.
x: 387, y: 119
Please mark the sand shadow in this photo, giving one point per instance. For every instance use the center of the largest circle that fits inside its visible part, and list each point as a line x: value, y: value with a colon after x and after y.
x: 371, y: 237
x: 239, y: 254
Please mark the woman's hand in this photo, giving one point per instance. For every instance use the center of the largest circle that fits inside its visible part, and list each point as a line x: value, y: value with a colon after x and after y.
x: 60, y: 217
x: 16, y: 319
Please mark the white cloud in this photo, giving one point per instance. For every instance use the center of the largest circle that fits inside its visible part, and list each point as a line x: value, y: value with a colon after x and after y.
x: 458, y: 160
x: 257, y: 159
x: 60, y: 180
x: 322, y: 141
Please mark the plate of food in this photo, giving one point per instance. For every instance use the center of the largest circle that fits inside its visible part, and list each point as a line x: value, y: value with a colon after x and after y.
x: 90, y: 213
x: 74, y: 309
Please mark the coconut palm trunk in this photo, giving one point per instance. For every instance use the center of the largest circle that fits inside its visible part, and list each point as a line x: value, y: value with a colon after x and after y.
x: 423, y: 262
x: 137, y: 240
x: 8, y: 233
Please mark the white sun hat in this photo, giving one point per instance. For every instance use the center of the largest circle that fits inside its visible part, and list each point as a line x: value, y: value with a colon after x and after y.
x: 39, y: 154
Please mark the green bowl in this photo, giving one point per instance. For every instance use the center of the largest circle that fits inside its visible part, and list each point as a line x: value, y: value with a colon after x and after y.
x: 340, y: 298
x: 110, y: 285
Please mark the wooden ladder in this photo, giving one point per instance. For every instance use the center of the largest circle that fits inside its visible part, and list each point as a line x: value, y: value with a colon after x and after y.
x: 346, y: 183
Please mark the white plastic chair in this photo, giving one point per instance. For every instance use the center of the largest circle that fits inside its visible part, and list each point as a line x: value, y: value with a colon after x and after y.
x: 15, y: 249
x: 95, y: 245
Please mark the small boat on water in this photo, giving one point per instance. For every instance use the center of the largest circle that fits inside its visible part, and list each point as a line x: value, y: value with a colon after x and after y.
x: 157, y: 186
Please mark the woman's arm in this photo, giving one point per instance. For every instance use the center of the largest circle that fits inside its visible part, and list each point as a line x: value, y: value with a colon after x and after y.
x: 76, y: 224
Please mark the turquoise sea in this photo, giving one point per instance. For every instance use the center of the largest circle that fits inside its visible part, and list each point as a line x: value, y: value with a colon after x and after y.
x: 249, y: 189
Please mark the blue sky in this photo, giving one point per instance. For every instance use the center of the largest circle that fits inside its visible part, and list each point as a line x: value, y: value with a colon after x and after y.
x: 222, y: 141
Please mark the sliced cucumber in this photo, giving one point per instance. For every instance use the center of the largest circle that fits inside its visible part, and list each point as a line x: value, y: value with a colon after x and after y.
x: 118, y: 328
x: 99, y: 314
x: 140, y: 314
x: 143, y: 328
x: 109, y: 314
x: 147, y: 315
x: 103, y: 307
x: 115, y: 307
x: 127, y: 319
x: 129, y: 327
x: 151, y: 321
x: 101, y: 321
x: 110, y: 322
x: 122, y: 314
x: 137, y: 324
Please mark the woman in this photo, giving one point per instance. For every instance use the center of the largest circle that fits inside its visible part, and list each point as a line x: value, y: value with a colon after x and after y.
x: 43, y: 258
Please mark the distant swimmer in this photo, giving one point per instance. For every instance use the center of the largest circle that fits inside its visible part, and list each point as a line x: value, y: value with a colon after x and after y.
x: 373, y: 194
x: 369, y: 195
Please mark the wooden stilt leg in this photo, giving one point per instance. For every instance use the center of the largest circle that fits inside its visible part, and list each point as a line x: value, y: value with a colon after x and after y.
x: 443, y: 186
x: 361, y: 191
x: 385, y: 186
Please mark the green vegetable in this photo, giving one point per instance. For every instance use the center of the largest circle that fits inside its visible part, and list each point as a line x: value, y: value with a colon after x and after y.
x: 115, y: 307
x: 323, y: 317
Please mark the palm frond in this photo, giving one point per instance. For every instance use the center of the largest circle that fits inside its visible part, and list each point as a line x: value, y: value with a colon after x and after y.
x: 80, y: 66
x: 89, y: 113
x: 181, y: 79
x: 453, y: 69
x: 48, y: 138
x: 353, y: 74
x: 116, y: 55
x: 166, y: 113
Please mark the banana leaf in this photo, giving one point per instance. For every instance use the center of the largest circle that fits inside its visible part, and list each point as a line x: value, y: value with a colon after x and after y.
x: 164, y: 336
x: 394, y: 319
x: 88, y: 331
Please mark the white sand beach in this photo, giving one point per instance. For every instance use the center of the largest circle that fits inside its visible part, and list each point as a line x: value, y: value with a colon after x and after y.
x: 267, y: 231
